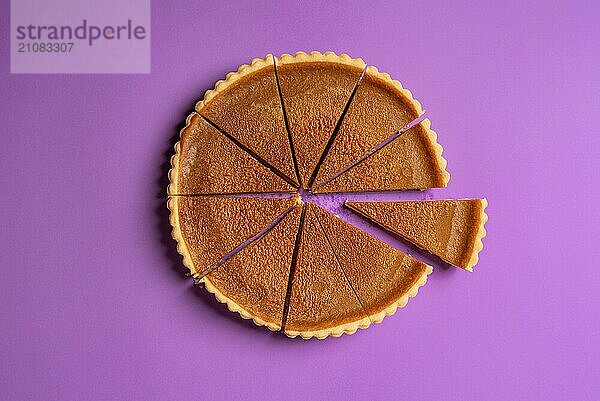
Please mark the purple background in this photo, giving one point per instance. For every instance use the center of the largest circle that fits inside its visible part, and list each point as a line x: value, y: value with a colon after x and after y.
x: 92, y: 302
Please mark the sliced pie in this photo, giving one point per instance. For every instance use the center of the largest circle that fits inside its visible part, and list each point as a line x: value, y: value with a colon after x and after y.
x: 412, y: 161
x: 207, y: 162
x: 253, y: 282
x: 322, y: 301
x: 304, y: 121
x: 450, y: 229
x: 382, y: 277
x: 247, y: 106
x: 380, y: 107
x: 208, y: 228
x: 315, y: 89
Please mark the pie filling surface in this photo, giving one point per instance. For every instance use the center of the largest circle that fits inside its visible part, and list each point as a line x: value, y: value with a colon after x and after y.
x: 250, y: 110
x: 315, y: 122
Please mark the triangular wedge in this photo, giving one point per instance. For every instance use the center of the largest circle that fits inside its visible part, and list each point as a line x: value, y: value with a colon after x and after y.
x: 206, y: 162
x: 315, y: 88
x: 383, y: 277
x: 322, y: 300
x: 380, y: 107
x: 450, y: 229
x: 253, y: 282
x: 247, y: 106
x: 412, y: 161
x: 208, y: 228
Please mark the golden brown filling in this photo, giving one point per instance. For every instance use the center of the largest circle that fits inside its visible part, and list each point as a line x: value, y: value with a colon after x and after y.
x: 379, y: 274
x: 212, y: 164
x: 321, y: 296
x: 213, y: 227
x: 256, y: 277
x: 409, y: 162
x: 378, y: 110
x: 250, y: 110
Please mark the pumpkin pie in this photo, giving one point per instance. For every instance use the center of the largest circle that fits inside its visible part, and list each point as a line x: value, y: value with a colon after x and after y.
x: 303, y: 121
x: 450, y: 229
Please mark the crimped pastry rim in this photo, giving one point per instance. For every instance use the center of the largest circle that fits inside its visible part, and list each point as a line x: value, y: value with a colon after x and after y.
x: 441, y: 162
x: 366, y: 322
x: 318, y: 57
x: 172, y: 188
x: 243, y: 70
x: 481, y: 233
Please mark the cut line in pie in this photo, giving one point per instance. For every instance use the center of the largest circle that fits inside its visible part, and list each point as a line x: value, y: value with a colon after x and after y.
x: 337, y: 308
x: 315, y: 89
x: 207, y: 162
x: 209, y: 228
x: 322, y: 123
x: 248, y: 107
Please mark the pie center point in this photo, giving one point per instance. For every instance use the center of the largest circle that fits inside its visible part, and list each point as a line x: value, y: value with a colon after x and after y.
x: 305, y: 195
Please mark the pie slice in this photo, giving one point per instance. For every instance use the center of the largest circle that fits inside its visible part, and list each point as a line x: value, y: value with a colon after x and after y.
x: 450, y: 229
x: 206, y: 162
x: 247, y: 106
x: 380, y: 107
x: 322, y: 301
x: 253, y: 282
x: 315, y: 89
x: 383, y: 277
x: 412, y: 161
x: 208, y: 228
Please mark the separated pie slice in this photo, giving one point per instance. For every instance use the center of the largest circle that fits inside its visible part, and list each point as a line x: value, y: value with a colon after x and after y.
x: 322, y: 300
x: 253, y: 282
x: 450, y: 229
x: 206, y: 162
x: 411, y: 161
x: 247, y: 106
x: 380, y: 107
x: 208, y: 228
x: 383, y: 277
x: 315, y: 89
